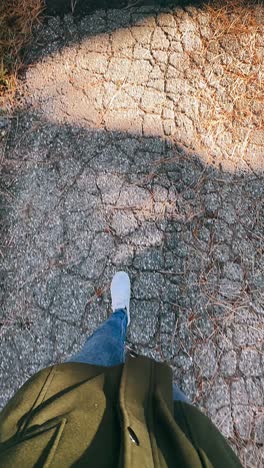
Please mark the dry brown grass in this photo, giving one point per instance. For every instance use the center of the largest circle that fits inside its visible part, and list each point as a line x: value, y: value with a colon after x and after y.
x: 233, y: 97
x: 17, y: 18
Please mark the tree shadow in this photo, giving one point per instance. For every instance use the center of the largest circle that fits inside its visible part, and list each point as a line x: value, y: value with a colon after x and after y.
x: 83, y: 203
x: 80, y: 7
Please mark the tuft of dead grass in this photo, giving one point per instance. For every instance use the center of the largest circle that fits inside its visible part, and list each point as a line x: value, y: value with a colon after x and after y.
x: 17, y: 18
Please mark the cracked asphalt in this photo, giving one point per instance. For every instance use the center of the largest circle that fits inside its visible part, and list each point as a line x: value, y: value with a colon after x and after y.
x: 110, y: 164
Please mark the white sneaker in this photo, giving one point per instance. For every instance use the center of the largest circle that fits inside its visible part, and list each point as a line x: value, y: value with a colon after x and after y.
x: 120, y: 292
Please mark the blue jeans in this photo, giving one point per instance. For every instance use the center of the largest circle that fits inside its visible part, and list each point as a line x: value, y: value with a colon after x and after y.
x: 106, y: 347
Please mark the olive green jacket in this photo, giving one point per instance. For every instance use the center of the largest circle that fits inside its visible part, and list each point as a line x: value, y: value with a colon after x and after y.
x: 73, y: 414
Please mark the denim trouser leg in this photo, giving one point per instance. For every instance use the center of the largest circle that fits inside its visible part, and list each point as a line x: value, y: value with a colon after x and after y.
x: 178, y: 395
x: 106, y: 346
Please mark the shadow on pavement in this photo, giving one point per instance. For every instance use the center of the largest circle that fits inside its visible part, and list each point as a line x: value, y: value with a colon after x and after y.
x: 81, y: 7
x: 81, y: 204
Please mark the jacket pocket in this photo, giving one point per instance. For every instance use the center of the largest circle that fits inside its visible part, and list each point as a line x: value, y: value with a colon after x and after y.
x: 35, y: 448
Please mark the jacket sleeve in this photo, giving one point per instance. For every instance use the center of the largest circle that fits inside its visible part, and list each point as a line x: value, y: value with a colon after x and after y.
x: 204, y: 436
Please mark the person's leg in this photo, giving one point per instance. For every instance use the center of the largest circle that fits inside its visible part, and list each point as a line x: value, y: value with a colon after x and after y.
x: 106, y: 347
x: 178, y: 395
